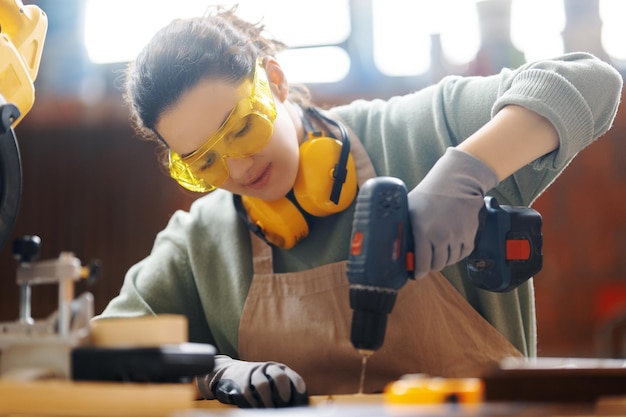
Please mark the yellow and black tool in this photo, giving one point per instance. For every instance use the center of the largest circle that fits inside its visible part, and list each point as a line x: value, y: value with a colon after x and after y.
x: 22, y: 34
x: 422, y: 389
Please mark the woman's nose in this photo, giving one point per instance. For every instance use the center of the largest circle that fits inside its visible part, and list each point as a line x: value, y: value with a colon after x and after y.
x: 238, y: 167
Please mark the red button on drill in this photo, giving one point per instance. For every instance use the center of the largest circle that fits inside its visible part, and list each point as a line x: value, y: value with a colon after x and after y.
x: 357, y: 244
x: 517, y: 250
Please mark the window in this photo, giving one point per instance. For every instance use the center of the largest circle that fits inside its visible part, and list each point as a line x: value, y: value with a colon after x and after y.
x: 115, y: 30
x: 536, y: 27
x: 317, y: 31
x: 402, y: 31
x: 613, y: 13
x: 312, y: 30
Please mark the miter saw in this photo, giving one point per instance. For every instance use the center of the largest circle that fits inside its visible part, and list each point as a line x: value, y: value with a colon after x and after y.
x: 26, y: 343
x: 65, y: 345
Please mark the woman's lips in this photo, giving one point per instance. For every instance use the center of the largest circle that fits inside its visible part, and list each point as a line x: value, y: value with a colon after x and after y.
x: 262, y: 180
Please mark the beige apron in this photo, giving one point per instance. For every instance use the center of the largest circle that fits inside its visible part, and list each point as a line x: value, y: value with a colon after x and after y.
x: 303, y: 320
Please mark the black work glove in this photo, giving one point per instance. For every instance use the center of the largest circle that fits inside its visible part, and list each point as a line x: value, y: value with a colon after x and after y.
x: 253, y: 384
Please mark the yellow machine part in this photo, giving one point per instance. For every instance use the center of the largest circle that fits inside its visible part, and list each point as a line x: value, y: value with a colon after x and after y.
x: 22, y: 35
x: 419, y: 389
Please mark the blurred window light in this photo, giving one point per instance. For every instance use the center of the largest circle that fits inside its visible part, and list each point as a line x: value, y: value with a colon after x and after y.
x: 299, y: 23
x: 536, y: 27
x: 326, y: 64
x: 111, y: 36
x: 314, y: 31
x: 402, y: 31
x: 612, y: 13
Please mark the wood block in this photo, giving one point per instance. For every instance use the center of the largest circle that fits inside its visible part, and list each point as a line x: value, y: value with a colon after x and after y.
x: 139, y: 331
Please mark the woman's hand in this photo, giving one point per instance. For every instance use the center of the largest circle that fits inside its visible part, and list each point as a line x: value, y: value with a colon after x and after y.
x: 253, y: 384
x: 444, y: 210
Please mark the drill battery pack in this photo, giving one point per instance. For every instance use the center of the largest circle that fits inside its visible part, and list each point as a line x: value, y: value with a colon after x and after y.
x: 508, y: 247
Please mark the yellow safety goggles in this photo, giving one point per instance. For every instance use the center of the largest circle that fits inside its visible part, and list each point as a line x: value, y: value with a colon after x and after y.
x: 247, y: 129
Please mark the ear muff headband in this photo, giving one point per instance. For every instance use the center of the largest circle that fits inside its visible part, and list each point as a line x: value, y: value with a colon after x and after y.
x: 340, y: 172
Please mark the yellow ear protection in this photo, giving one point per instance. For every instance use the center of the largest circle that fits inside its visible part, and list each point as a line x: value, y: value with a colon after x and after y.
x: 325, y: 184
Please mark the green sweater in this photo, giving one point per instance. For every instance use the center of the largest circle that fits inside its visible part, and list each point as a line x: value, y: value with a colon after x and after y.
x: 200, y: 265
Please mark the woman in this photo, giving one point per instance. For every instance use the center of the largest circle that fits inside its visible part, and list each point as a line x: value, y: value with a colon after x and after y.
x: 258, y: 265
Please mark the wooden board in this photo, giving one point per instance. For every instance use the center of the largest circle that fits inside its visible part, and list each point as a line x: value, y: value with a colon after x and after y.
x: 65, y: 398
x: 555, y: 385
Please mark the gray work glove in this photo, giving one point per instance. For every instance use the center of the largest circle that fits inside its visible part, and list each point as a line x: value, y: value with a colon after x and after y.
x: 444, y: 209
x: 253, y: 384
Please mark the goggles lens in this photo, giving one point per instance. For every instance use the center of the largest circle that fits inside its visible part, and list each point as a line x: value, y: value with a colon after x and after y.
x: 246, y: 131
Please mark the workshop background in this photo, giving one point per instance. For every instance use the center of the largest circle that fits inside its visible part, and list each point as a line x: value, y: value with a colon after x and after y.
x: 91, y: 187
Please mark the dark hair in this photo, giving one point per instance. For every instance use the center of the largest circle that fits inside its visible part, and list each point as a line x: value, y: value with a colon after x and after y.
x: 219, y: 45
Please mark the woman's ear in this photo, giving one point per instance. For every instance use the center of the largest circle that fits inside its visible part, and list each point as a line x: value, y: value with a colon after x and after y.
x: 276, y: 77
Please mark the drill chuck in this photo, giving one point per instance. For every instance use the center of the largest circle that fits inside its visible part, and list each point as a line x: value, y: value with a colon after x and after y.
x: 370, y: 306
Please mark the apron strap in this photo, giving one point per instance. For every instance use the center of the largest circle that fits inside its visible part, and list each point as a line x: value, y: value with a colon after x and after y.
x: 262, y: 259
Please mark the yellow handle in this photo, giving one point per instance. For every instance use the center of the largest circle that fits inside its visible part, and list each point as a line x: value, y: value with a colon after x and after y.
x: 23, y: 32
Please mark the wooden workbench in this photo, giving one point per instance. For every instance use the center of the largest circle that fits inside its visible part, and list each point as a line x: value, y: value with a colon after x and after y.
x: 88, y: 399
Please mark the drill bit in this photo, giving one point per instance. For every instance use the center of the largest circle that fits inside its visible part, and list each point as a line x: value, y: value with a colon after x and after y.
x: 365, y: 354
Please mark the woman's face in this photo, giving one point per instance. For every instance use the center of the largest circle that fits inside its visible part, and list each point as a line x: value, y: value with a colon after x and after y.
x: 268, y: 174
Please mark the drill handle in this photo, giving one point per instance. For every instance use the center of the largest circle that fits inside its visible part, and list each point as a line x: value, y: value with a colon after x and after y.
x: 380, y: 235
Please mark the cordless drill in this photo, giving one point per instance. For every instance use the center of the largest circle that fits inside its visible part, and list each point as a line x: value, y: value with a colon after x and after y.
x: 507, y: 253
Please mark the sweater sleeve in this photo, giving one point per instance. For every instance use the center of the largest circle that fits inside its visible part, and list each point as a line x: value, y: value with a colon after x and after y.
x: 199, y: 267
x: 577, y: 93
x: 162, y: 283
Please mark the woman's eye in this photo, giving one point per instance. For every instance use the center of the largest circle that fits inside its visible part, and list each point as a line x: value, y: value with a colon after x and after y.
x: 211, y: 158
x: 243, y: 129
